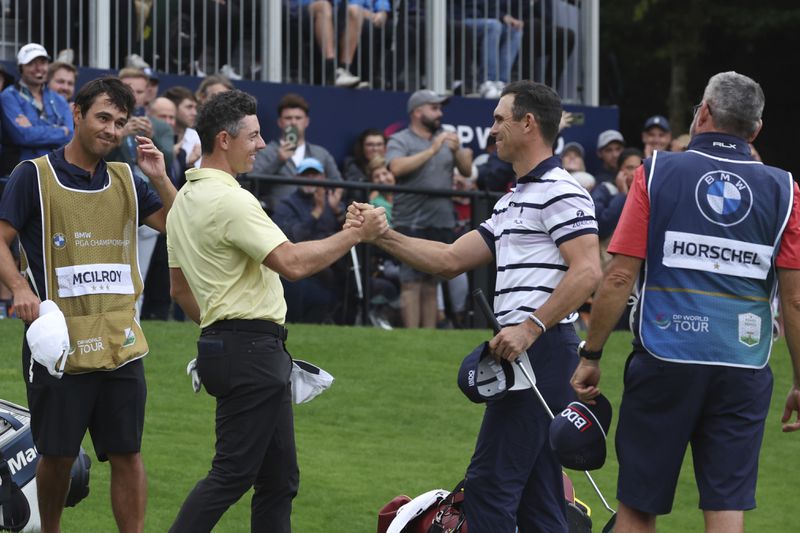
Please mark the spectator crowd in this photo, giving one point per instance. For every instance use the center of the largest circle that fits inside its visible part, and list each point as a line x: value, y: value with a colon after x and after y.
x: 37, y: 118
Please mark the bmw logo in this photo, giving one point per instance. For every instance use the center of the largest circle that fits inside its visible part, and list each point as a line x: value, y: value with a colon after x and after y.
x: 723, y: 198
x: 59, y: 241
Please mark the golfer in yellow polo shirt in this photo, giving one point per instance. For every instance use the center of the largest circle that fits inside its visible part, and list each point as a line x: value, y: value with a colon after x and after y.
x: 225, y: 256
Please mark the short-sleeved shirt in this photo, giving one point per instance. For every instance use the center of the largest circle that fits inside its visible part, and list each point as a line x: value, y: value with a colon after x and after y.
x: 630, y: 237
x: 546, y: 208
x: 219, y: 235
x: 418, y: 211
x: 21, y: 208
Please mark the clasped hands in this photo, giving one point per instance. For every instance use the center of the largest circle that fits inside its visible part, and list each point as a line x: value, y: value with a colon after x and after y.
x: 369, y: 220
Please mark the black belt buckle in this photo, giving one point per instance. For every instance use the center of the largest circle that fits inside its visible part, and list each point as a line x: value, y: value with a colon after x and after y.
x: 281, y: 332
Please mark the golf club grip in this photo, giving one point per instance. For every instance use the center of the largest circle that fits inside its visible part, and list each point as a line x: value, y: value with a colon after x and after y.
x: 486, y: 309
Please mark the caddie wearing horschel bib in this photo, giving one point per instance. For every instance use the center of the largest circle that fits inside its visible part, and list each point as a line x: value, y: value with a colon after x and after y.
x: 712, y: 235
x: 706, y: 293
x: 76, y: 217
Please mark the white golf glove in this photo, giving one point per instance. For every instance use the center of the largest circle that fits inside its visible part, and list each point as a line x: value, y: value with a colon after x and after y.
x: 191, y: 370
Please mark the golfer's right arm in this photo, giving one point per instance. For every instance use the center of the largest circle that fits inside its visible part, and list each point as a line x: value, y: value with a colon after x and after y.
x: 445, y: 260
x: 26, y: 303
x: 295, y: 261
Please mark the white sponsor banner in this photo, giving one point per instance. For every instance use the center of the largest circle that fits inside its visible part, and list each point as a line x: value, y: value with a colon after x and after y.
x: 105, y: 278
x: 714, y: 254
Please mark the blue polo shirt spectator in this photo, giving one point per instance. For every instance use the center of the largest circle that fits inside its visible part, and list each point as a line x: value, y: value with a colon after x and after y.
x: 35, y: 119
x: 20, y: 205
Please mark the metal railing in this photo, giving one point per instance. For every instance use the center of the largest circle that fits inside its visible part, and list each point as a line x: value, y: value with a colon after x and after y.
x: 384, y: 44
x: 481, y: 202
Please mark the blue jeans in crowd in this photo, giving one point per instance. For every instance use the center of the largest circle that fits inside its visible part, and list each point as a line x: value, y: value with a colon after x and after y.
x: 499, y: 44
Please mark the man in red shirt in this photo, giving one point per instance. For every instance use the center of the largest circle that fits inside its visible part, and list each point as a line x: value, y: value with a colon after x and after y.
x: 709, y: 233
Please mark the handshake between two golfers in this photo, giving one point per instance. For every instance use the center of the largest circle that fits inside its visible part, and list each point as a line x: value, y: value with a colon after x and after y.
x: 445, y: 261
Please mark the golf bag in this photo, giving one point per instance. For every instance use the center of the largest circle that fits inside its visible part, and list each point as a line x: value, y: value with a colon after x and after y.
x: 19, y: 509
x: 435, y: 511
x: 440, y: 512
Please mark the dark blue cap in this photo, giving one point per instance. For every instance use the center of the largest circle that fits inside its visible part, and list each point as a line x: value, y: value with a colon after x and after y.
x: 481, y: 378
x: 656, y: 121
x: 578, y: 434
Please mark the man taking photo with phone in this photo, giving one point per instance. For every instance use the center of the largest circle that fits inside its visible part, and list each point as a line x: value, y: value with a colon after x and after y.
x: 281, y: 157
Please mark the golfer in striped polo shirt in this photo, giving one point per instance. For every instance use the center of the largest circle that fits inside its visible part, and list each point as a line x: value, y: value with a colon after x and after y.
x: 543, y: 237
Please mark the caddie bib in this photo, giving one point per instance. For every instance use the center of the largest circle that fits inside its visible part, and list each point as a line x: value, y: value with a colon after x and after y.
x: 91, y: 269
x: 714, y: 232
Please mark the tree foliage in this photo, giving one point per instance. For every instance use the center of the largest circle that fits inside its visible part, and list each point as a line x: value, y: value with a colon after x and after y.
x: 657, y: 55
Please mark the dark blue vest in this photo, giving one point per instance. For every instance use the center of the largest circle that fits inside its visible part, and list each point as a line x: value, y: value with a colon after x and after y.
x: 716, y: 221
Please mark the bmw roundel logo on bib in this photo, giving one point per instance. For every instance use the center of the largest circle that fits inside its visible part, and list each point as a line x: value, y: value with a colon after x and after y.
x: 723, y: 198
x: 59, y: 241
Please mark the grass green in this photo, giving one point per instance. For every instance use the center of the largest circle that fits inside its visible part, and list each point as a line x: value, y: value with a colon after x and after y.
x: 394, y: 422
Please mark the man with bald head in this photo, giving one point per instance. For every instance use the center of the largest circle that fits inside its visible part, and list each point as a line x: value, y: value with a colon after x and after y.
x: 185, y: 115
x: 164, y: 110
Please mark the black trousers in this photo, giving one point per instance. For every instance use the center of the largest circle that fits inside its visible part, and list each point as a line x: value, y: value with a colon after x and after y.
x: 249, y: 373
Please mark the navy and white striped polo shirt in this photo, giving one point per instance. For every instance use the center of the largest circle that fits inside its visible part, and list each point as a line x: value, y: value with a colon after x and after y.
x: 546, y: 208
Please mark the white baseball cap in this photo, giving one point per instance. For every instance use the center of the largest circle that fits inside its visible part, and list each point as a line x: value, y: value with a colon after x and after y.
x: 48, y: 339
x: 308, y: 381
x: 31, y: 51
x: 609, y: 136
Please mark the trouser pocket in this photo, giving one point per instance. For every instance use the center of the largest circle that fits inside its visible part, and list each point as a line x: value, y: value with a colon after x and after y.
x: 214, y: 366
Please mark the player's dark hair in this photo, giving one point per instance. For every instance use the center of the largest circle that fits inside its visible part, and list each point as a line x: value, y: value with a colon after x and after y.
x: 224, y: 112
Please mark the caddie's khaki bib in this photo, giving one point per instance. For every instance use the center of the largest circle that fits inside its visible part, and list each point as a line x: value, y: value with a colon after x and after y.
x: 91, y: 268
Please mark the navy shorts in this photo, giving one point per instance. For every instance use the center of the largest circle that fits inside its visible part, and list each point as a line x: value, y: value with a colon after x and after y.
x: 444, y: 235
x: 110, y: 404
x: 720, y: 410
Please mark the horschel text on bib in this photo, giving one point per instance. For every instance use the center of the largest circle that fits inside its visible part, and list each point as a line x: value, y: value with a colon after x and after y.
x: 104, y: 278
x: 717, y: 254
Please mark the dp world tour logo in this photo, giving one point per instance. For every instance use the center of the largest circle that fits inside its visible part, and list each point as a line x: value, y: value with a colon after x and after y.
x: 723, y: 198
x: 662, y: 321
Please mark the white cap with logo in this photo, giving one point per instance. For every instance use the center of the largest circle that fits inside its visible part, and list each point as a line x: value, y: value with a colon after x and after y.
x: 48, y: 339
x: 31, y: 51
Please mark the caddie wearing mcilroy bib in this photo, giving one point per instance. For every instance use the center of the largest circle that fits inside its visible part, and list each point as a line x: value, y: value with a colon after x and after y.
x: 708, y: 233
x: 76, y: 218
x: 90, y: 266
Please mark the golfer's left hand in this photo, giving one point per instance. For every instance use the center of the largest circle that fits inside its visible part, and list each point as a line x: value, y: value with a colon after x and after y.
x: 792, y: 404
x: 512, y: 341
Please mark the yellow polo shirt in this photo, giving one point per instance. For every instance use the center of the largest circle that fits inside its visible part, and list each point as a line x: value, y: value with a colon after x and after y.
x: 218, y: 235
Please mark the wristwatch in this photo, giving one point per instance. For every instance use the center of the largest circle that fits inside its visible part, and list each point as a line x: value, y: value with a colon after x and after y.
x: 586, y: 354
